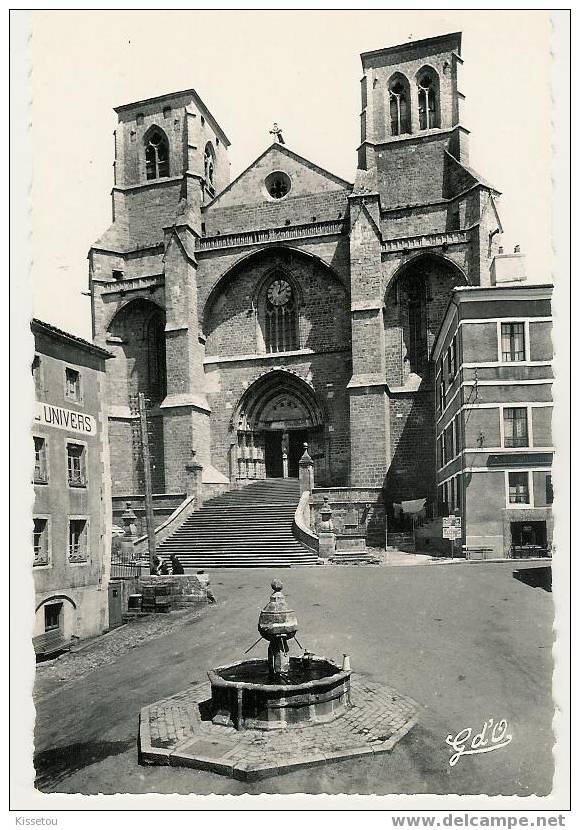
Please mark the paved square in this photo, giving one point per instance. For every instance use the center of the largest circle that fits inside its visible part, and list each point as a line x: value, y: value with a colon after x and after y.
x: 174, y: 731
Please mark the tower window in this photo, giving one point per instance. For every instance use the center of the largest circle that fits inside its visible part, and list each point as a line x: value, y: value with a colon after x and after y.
x: 416, y: 326
x: 209, y: 166
x: 278, y: 185
x: 399, y: 108
x: 428, y: 104
x: 154, y: 336
x: 281, y: 329
x: 156, y: 155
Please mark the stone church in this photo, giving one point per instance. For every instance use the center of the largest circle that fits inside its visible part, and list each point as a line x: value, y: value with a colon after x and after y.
x: 289, y: 305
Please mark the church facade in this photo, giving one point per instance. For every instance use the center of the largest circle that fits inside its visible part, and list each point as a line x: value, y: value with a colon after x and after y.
x: 289, y: 305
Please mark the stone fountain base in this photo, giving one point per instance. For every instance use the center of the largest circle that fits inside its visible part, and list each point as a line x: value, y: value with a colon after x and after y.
x: 178, y: 731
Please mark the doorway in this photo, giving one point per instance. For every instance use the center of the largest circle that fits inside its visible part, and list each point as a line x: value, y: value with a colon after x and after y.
x: 528, y: 538
x: 297, y: 439
x: 273, y: 454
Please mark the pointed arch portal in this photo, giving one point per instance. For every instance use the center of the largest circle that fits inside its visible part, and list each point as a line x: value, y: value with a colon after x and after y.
x: 275, y: 416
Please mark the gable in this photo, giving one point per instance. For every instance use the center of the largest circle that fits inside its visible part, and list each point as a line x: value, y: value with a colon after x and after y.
x: 304, y: 176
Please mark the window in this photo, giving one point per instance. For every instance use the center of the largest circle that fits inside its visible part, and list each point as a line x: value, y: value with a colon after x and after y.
x: 519, y: 488
x: 117, y: 275
x: 452, y: 358
x: 52, y: 614
x: 399, y: 107
x: 549, y: 490
x: 76, y: 464
x: 72, y: 389
x: 278, y: 185
x: 208, y: 166
x: 428, y: 105
x: 457, y: 432
x: 36, y: 374
x: 154, y: 336
x: 441, y: 396
x: 40, y: 472
x: 513, y: 346
x: 156, y: 155
x: 515, y: 426
x: 77, y: 541
x: 449, y: 442
x: 455, y: 219
x: 40, y: 542
x: 281, y: 319
x: 416, y: 322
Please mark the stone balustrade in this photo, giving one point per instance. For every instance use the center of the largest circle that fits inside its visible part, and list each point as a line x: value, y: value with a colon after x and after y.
x: 240, y: 240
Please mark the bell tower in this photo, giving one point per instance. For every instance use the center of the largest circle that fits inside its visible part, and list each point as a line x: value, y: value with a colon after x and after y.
x: 171, y: 159
x: 410, y: 111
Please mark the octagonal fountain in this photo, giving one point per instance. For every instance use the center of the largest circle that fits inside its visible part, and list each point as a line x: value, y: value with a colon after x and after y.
x: 282, y: 691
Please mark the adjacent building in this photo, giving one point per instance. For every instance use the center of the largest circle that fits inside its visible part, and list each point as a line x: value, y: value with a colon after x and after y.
x: 493, y: 359
x: 72, y: 505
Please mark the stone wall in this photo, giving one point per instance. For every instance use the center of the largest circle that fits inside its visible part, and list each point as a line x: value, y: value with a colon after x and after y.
x: 355, y: 510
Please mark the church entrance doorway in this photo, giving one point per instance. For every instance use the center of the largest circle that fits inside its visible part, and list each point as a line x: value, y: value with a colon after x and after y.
x: 276, y: 416
x: 273, y: 454
x: 283, y: 451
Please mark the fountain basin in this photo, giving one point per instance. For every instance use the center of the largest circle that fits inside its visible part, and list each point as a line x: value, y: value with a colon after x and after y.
x: 243, y: 696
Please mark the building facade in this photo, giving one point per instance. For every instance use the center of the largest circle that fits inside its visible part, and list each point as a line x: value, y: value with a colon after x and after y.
x: 72, y: 505
x: 290, y: 305
x: 493, y: 360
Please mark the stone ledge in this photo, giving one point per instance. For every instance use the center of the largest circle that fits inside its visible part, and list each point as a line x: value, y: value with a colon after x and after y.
x: 172, y: 732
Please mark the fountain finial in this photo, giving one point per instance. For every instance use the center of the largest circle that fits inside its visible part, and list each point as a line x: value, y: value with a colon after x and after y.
x: 276, y: 585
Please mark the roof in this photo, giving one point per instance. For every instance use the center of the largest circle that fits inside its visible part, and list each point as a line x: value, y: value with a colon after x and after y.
x: 425, y: 43
x: 40, y: 327
x: 168, y: 96
x: 282, y: 148
x: 473, y: 173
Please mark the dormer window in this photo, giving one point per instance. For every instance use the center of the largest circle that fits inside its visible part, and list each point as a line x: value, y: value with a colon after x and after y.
x: 399, y: 107
x: 156, y: 155
x: 428, y: 100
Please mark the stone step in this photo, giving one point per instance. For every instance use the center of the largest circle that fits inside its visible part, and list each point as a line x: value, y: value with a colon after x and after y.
x: 246, y: 528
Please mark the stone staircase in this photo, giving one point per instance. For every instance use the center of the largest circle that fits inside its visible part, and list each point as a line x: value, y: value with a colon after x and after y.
x: 247, y: 528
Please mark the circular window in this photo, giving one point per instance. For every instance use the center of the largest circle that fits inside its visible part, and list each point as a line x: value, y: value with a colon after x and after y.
x: 278, y: 185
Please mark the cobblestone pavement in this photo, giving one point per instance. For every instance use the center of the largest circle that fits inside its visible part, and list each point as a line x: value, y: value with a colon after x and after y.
x: 75, y: 664
x: 173, y: 731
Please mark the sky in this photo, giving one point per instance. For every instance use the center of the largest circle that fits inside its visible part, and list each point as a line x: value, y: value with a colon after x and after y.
x: 298, y: 68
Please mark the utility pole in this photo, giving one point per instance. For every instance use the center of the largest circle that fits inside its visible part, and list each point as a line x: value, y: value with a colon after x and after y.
x: 148, y: 487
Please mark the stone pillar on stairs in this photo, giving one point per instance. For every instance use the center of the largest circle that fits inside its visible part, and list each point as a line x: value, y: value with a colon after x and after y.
x: 129, y: 520
x: 306, y: 472
x: 326, y: 535
x: 194, y: 484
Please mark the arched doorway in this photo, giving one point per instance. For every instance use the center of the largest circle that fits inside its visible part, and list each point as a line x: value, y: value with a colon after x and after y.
x: 276, y: 415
